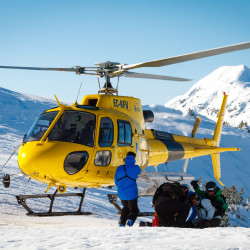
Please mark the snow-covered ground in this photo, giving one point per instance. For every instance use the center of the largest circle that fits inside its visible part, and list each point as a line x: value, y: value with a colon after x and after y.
x: 100, y: 230
x: 84, y: 233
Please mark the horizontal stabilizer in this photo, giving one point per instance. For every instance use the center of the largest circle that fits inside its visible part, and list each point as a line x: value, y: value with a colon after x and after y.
x: 207, y: 151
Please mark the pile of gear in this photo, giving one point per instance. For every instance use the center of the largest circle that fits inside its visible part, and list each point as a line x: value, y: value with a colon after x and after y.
x: 171, y: 204
x: 176, y: 206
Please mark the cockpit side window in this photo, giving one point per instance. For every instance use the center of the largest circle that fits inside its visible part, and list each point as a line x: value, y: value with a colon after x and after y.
x: 124, y: 133
x: 76, y: 127
x: 106, y: 133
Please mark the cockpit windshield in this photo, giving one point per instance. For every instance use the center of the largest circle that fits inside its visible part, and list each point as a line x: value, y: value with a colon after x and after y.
x: 40, y: 126
x: 72, y: 126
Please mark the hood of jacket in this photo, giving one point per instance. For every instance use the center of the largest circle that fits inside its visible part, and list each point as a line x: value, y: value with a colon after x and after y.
x: 129, y: 160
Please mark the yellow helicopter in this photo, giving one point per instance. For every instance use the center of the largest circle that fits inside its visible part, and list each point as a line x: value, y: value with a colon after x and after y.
x: 82, y: 145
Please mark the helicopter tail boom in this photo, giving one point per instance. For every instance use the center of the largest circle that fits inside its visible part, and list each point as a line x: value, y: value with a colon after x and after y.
x: 166, y: 147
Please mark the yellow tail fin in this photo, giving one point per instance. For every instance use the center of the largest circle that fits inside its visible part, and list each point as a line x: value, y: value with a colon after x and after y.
x: 217, y: 136
x: 215, y: 142
x: 219, y: 124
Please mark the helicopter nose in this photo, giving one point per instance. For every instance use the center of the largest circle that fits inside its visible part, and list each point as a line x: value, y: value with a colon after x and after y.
x: 51, y: 159
x: 27, y: 160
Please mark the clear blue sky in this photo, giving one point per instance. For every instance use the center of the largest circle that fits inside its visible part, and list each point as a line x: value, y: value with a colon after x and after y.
x: 63, y: 33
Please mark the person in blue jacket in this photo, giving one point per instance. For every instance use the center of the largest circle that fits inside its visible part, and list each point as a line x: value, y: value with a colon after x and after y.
x: 125, y: 180
x: 192, y: 212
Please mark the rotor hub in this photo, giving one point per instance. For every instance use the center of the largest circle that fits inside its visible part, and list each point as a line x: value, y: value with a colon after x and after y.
x: 107, y: 87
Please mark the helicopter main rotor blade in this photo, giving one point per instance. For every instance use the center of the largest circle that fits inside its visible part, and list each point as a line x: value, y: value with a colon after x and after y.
x: 188, y: 57
x: 38, y: 68
x: 77, y: 69
x: 158, y: 77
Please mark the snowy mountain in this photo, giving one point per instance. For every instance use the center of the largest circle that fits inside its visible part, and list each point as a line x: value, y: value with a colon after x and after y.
x: 205, y: 96
x: 100, y: 230
x: 19, y: 111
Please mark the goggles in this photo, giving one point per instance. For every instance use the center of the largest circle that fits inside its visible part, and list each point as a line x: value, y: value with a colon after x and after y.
x: 210, y: 189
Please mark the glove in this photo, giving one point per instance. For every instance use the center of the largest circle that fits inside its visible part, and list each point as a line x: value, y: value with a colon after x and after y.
x: 194, y: 184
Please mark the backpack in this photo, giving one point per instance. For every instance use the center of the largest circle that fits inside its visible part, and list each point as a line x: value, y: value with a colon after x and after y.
x: 217, y: 204
x: 172, y: 191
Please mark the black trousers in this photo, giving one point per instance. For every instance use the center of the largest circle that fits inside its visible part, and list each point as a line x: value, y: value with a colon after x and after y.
x: 129, y: 211
x: 172, y: 213
x: 215, y: 222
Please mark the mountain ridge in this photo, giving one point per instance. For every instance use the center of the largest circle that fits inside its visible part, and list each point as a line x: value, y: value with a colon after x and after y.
x: 205, y: 96
x: 18, y: 110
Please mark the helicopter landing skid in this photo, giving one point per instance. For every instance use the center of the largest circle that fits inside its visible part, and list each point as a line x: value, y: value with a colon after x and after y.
x: 113, y: 200
x: 21, y: 199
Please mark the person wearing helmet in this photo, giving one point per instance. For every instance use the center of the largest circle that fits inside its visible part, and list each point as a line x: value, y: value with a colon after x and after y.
x: 206, y: 213
x: 214, y: 194
x: 185, y: 189
x: 125, y: 180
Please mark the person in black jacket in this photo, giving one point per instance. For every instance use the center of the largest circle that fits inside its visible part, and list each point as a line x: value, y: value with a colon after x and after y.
x: 171, y: 205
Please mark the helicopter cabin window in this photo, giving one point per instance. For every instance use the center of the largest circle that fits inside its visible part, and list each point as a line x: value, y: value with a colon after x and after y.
x: 102, y: 158
x: 124, y: 133
x: 76, y: 127
x: 106, y: 133
x: 75, y: 161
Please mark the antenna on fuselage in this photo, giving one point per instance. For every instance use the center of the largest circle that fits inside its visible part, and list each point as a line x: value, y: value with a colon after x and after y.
x: 78, y: 92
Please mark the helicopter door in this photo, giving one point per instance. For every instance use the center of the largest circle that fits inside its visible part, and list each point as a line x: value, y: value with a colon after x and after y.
x: 104, y: 152
x: 124, y: 137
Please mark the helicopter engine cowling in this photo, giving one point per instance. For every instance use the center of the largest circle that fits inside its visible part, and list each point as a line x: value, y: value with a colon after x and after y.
x: 148, y: 116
